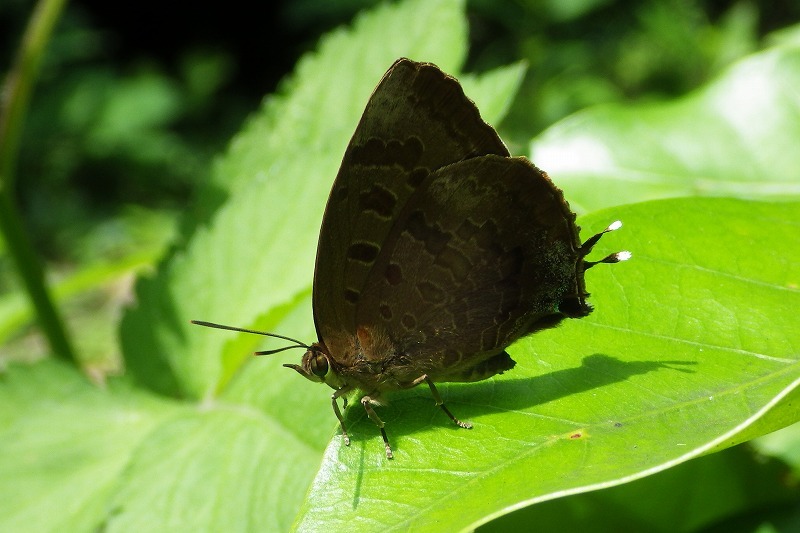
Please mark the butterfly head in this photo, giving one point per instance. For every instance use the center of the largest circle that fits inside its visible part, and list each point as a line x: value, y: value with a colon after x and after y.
x: 317, y: 366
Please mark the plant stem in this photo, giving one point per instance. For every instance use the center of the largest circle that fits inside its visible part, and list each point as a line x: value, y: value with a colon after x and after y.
x: 13, y: 107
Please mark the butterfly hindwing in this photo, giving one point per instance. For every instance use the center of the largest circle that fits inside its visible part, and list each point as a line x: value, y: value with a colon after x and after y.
x: 471, y: 263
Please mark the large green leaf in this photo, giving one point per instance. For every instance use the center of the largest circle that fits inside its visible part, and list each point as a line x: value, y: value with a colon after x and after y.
x: 691, y: 343
x: 735, y: 137
x: 258, y: 254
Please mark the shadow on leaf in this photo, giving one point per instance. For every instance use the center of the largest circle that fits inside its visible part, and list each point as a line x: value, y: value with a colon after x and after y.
x: 595, y: 371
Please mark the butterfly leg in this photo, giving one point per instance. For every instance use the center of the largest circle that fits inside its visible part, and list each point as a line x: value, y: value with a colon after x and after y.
x: 440, y: 402
x: 335, y: 396
x: 366, y: 401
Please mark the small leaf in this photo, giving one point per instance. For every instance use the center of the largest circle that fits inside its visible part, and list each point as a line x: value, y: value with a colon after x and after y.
x: 493, y: 91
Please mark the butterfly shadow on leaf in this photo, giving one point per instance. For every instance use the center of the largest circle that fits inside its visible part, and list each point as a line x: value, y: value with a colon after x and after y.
x: 596, y: 371
x: 413, y: 411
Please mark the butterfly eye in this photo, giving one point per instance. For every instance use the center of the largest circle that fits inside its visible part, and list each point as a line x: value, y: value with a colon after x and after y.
x: 319, y: 364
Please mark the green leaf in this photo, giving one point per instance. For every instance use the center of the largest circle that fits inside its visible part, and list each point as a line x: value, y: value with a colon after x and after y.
x: 258, y: 254
x: 324, y: 98
x: 735, y: 137
x: 689, y: 346
x: 214, y: 470
x: 65, y: 444
x: 492, y: 91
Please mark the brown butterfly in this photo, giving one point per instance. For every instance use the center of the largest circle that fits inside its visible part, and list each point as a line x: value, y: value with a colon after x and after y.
x: 437, y: 250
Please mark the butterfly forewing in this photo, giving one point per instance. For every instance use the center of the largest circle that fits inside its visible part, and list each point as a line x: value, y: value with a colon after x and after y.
x: 416, y: 121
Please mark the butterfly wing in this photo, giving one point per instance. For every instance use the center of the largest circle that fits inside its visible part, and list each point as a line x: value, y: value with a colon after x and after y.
x: 484, y: 252
x: 416, y: 122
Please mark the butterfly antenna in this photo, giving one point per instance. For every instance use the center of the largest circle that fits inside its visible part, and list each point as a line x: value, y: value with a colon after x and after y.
x: 297, y: 343
x: 616, y: 257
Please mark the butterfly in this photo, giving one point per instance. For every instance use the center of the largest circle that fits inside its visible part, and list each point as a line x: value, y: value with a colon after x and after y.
x: 437, y: 250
